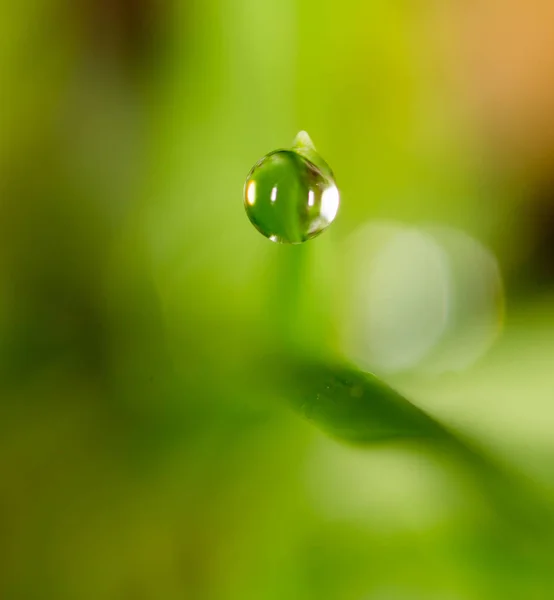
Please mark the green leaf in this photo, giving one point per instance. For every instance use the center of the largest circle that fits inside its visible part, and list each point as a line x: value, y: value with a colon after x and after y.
x: 353, y: 406
x: 358, y: 408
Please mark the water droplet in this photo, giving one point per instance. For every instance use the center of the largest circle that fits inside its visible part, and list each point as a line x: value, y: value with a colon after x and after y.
x: 290, y: 196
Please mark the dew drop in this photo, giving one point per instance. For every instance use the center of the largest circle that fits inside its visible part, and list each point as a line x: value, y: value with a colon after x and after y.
x: 290, y: 196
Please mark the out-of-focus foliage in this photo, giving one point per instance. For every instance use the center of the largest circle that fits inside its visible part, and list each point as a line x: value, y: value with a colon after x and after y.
x: 179, y: 415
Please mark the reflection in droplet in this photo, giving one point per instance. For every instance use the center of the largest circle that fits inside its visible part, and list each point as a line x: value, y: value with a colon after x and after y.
x: 291, y: 195
x: 425, y: 298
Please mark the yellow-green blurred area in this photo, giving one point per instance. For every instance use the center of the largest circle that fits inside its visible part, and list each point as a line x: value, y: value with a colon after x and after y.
x: 184, y: 407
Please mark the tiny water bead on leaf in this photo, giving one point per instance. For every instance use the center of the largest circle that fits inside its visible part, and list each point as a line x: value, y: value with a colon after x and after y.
x: 290, y: 196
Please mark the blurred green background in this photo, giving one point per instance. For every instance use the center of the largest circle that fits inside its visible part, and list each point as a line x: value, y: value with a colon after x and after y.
x: 184, y: 410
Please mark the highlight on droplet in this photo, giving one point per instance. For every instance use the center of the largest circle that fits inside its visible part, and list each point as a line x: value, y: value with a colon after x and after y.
x: 273, y: 193
x: 311, y: 198
x: 251, y: 193
x: 330, y: 200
